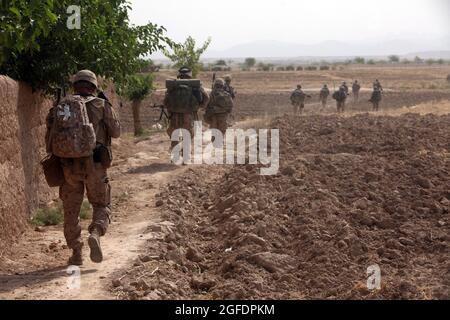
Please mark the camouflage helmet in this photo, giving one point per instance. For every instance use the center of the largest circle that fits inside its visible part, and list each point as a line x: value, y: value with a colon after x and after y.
x: 299, y: 86
x: 227, y: 78
x: 185, y: 71
x: 86, y: 75
x: 325, y: 85
x: 219, y: 83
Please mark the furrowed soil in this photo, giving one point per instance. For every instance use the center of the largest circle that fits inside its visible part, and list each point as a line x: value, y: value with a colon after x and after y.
x: 353, y: 192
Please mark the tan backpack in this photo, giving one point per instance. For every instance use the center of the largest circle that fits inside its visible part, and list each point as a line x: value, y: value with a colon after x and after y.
x: 72, y: 134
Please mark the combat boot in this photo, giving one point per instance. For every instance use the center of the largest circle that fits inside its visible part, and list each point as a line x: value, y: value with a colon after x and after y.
x: 77, y: 258
x: 94, y: 244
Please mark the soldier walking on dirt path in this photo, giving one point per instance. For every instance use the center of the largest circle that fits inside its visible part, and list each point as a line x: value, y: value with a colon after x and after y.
x: 356, y: 87
x: 344, y: 85
x: 219, y: 107
x: 376, y: 98
x: 323, y: 96
x: 298, y: 98
x: 183, y: 101
x: 378, y: 85
x: 79, y: 132
x: 228, y: 88
x: 340, y: 96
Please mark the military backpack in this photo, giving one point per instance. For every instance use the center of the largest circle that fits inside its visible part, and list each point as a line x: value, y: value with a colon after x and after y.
x: 183, y: 95
x: 72, y: 135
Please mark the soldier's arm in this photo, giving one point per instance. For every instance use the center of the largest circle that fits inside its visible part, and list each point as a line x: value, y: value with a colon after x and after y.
x: 49, y: 123
x: 206, y: 98
x: 112, y: 121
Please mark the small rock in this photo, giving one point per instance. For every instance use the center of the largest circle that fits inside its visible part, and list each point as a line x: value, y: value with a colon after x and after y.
x: 193, y: 255
x: 362, y: 204
x: 145, y: 258
x: 225, y: 203
x: 423, y: 182
x: 39, y: 229
x: 203, y: 283
x: 159, y: 203
x: 406, y: 241
x: 288, y: 171
x: 116, y: 283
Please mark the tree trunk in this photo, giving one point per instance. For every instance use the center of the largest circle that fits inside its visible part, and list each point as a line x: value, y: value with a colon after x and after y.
x: 137, y: 117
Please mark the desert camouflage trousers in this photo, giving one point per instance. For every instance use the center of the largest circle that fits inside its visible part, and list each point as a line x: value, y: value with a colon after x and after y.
x: 81, y: 174
x: 218, y: 121
x: 298, y: 107
x: 340, y: 106
x: 180, y: 121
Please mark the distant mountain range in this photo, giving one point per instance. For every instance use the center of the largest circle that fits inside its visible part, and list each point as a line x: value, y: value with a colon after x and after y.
x: 433, y: 48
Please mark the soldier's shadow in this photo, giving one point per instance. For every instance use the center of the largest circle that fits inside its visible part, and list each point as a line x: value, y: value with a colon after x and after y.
x: 9, y: 283
x: 153, y: 168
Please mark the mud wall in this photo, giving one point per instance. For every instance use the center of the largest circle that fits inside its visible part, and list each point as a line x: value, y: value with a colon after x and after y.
x: 22, y: 146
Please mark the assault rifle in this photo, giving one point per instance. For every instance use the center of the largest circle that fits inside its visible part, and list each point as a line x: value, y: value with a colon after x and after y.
x: 163, y: 113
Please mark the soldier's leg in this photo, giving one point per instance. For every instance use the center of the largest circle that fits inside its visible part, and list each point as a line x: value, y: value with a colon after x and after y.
x: 222, y: 123
x: 302, y: 108
x: 176, y: 122
x: 71, y: 194
x: 99, y: 196
x: 188, y: 122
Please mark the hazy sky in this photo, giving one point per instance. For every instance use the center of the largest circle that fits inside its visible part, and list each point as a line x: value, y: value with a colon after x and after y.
x: 232, y: 22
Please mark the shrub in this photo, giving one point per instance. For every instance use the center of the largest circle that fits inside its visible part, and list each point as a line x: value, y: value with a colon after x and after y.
x: 48, y: 216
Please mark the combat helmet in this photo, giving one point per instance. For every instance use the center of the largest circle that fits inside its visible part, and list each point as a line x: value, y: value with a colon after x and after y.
x: 86, y: 75
x: 185, y: 72
x: 219, y: 83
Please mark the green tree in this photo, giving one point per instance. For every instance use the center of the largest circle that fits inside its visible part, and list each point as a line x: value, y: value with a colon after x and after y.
x: 394, y: 58
x: 249, y: 63
x: 221, y: 63
x: 359, y: 60
x: 137, y: 88
x: 38, y: 47
x: 187, y: 54
x: 418, y: 59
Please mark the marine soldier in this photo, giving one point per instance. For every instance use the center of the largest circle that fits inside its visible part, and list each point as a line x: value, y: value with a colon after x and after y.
x: 378, y: 85
x: 88, y: 170
x: 376, y: 98
x: 323, y: 96
x: 356, y: 87
x: 182, y: 114
x: 340, y: 97
x: 344, y: 85
x: 298, y: 98
x: 219, y: 107
x: 228, y: 88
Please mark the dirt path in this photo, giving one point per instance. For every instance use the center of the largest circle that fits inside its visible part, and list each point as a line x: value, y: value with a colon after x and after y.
x: 38, y: 263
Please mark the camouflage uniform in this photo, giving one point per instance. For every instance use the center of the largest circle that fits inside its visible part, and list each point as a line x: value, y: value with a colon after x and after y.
x: 376, y: 98
x: 184, y: 120
x: 324, y: 93
x: 344, y: 85
x: 228, y: 88
x: 340, y: 97
x: 378, y: 85
x: 87, y: 173
x: 355, y: 90
x: 217, y: 119
x: 298, y: 100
